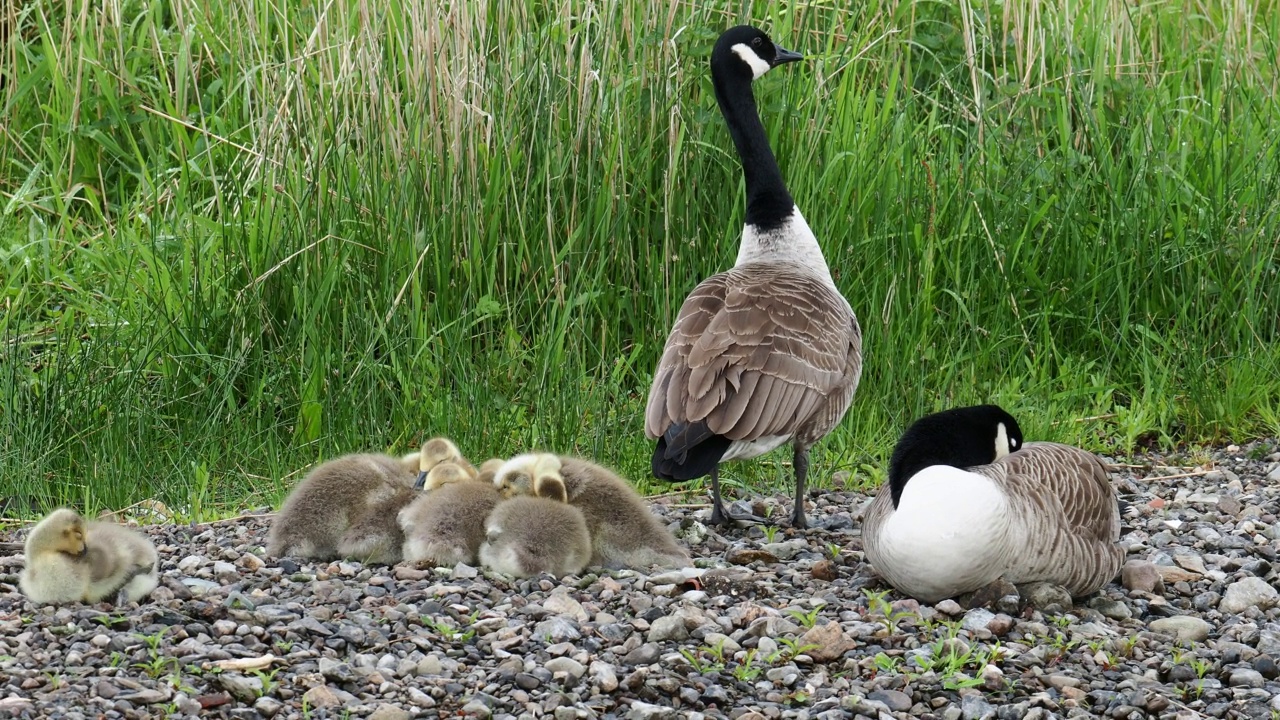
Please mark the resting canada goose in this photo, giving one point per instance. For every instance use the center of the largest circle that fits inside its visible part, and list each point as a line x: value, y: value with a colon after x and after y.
x: 768, y: 352
x: 69, y: 559
x: 967, y: 503
x: 624, y: 533
x: 347, y: 507
x: 445, y: 525
x: 531, y: 534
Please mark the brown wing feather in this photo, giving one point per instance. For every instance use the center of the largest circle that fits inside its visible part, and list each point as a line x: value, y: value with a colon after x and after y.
x: 746, y: 332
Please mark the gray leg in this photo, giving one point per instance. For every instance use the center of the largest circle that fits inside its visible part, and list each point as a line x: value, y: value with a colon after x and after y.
x: 800, y: 462
x: 718, y: 516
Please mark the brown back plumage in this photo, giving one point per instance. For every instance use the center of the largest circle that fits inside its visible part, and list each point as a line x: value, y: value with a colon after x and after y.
x: 758, y: 350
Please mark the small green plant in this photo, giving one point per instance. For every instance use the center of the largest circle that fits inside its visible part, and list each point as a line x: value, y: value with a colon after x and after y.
x: 268, y: 678
x: 701, y: 665
x: 887, y: 664
x: 1201, y: 666
x: 770, y: 532
x: 748, y: 670
x: 833, y: 550
x: 789, y: 649
x: 447, y: 631
x: 806, y: 618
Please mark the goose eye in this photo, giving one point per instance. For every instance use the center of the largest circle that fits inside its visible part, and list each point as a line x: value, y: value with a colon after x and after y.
x: 755, y: 42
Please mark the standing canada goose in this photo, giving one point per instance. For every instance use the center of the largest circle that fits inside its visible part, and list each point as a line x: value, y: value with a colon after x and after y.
x: 624, y: 533
x: 768, y: 352
x: 967, y: 503
x: 445, y: 525
x: 71, y: 560
x: 347, y: 507
x: 531, y: 534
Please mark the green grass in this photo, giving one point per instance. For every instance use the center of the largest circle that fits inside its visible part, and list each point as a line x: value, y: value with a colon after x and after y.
x: 237, y: 238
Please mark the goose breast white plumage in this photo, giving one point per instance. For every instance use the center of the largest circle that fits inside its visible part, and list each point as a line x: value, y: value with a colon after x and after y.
x: 1045, y: 513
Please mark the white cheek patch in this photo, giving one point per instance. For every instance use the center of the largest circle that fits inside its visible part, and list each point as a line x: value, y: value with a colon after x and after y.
x: 758, y: 67
x: 1002, y: 441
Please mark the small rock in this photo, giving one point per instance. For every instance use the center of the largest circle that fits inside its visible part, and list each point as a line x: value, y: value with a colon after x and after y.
x: 244, y: 688
x: 1274, y: 475
x: 974, y: 707
x: 1245, y: 677
x: 643, y: 655
x: 1228, y: 505
x: 561, y: 604
x: 949, y: 607
x: 824, y: 570
x: 746, y: 556
x: 566, y: 665
x: 831, y: 642
x: 1058, y: 681
x: 1184, y: 628
x: 604, y: 676
x: 270, y: 707
x: 1247, y: 593
x: 990, y: 594
x: 1141, y: 576
x: 647, y: 711
x: 1194, y: 563
x: 1000, y: 625
x: 1113, y: 609
x: 1046, y: 597
x: 557, y: 629
x: 475, y: 708
x: 1170, y: 574
x: 977, y: 619
x: 336, y: 670
x: 321, y: 696
x: 895, y: 700
x: 669, y: 627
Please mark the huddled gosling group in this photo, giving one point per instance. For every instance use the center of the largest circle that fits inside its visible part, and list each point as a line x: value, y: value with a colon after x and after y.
x: 535, y: 513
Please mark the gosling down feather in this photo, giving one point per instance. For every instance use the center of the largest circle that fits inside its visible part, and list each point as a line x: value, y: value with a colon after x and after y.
x: 967, y: 502
x: 69, y: 559
x: 445, y: 525
x: 529, y: 534
x: 624, y: 532
x: 768, y: 352
x: 348, y: 507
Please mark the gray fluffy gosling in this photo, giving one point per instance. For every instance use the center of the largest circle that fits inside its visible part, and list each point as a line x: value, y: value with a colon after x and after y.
x: 445, y: 525
x: 624, y: 532
x: 538, y: 533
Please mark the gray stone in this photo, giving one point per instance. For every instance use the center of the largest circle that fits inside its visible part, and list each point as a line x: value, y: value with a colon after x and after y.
x: 1113, y: 609
x: 670, y: 627
x: 1245, y: 677
x: 1249, y: 592
x: 561, y: 604
x: 270, y: 707
x: 557, y: 629
x: 648, y: 711
x: 567, y: 665
x: 977, y: 619
x: 1046, y: 597
x: 1141, y: 576
x: 974, y: 707
x: 604, y: 676
x: 1184, y: 628
x: 242, y: 687
x: 336, y: 670
x: 895, y: 700
x: 643, y: 655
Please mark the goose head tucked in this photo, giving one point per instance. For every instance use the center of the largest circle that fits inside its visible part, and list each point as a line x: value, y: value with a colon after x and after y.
x: 63, y: 531
x: 960, y: 437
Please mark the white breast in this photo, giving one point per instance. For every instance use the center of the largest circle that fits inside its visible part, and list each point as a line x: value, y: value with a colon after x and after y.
x: 950, y: 534
x: 744, y: 449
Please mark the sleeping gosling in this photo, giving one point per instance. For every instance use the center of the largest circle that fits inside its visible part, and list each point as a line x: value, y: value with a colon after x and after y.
x: 445, y: 524
x: 537, y: 533
x: 624, y: 533
x: 433, y: 452
x: 347, y: 507
x: 69, y: 559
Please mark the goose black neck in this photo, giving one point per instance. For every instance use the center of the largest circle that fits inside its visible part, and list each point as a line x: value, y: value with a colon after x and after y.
x: 768, y: 202
x: 904, y: 465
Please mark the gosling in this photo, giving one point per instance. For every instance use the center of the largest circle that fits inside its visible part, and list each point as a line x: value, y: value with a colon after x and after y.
x: 347, y: 507
x: 537, y: 533
x: 624, y: 533
x: 69, y: 559
x: 445, y: 525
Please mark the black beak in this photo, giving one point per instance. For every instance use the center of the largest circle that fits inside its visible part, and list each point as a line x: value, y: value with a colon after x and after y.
x: 783, y: 55
x: 422, y: 480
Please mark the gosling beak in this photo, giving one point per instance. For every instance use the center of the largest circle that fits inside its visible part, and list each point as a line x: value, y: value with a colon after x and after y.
x: 422, y: 480
x: 783, y: 55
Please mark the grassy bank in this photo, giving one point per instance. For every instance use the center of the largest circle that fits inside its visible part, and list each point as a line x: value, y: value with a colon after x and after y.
x: 240, y: 237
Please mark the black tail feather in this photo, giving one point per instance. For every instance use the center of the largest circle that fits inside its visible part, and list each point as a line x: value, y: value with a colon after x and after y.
x: 687, y: 452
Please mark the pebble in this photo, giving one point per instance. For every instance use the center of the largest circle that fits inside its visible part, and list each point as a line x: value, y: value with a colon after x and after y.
x: 1251, y: 592
x: 1185, y: 628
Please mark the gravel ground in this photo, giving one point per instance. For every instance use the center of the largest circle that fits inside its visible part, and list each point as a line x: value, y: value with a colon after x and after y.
x: 763, y: 627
